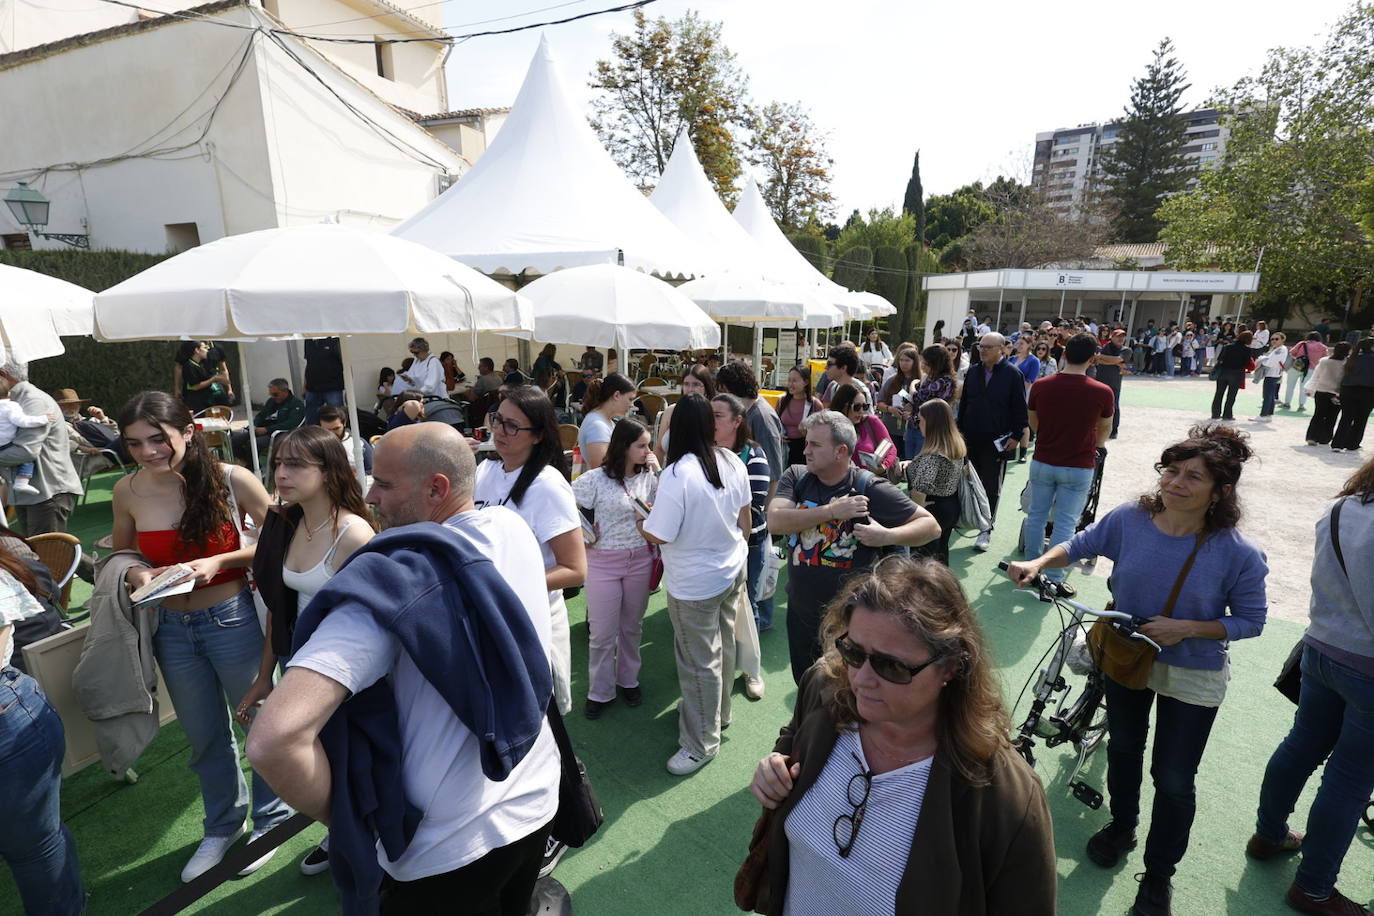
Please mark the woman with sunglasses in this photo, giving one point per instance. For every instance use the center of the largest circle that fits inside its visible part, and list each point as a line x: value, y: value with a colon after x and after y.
x: 701, y: 519
x: 698, y: 380
x: 319, y: 522
x: 1182, y: 535
x: 1046, y: 364
x: 894, y: 788
x: 619, y: 564
x: 875, y: 449
x: 531, y: 478
x: 796, y: 405
x: 894, y: 395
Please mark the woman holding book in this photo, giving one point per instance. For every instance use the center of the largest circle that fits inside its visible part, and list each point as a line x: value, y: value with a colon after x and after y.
x: 182, y: 506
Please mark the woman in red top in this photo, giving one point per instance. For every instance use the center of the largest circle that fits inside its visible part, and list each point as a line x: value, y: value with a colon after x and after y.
x: 184, y: 506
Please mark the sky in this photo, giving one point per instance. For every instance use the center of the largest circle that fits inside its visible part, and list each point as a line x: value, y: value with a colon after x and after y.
x: 969, y: 84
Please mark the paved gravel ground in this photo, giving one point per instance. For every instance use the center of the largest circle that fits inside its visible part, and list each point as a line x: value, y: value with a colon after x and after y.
x: 1283, y: 489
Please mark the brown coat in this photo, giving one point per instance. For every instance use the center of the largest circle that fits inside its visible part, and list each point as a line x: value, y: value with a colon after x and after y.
x: 976, y: 850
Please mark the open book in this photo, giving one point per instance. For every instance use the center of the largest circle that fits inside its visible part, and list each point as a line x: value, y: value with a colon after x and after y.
x: 174, y: 580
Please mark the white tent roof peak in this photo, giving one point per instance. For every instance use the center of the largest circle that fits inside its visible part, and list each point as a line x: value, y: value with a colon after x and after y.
x: 547, y: 195
x: 686, y: 197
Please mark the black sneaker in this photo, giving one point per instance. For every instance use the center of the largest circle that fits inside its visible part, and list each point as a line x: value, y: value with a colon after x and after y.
x: 1107, y: 846
x: 553, y: 851
x: 316, y: 862
x: 594, y: 707
x: 1153, y: 897
x: 633, y: 695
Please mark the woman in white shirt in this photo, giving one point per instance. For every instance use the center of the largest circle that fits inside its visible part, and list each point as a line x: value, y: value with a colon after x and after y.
x: 606, y: 400
x: 875, y: 351
x: 619, y: 564
x: 320, y: 521
x: 531, y: 478
x: 701, y: 517
x: 426, y: 373
x: 1324, y: 384
x: 1270, y: 369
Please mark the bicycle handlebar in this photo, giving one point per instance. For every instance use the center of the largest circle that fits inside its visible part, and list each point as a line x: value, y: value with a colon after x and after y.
x: 1127, y: 624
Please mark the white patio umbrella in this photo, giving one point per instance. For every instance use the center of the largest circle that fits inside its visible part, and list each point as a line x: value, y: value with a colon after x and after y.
x: 875, y: 304
x: 609, y: 306
x: 744, y: 299
x: 308, y: 281
x: 36, y: 308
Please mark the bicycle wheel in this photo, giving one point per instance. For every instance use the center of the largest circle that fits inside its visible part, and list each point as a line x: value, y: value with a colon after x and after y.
x: 1086, y: 716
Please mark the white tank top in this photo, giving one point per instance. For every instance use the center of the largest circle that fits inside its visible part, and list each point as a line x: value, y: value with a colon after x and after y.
x: 307, y: 584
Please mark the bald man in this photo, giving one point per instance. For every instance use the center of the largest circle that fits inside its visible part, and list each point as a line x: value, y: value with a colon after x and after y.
x: 992, y: 417
x: 480, y: 841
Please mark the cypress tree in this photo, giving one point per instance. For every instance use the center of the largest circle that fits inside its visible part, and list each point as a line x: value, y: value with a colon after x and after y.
x: 1147, y: 163
x: 915, y: 202
x: 854, y: 267
x: 812, y: 248
x: 891, y: 279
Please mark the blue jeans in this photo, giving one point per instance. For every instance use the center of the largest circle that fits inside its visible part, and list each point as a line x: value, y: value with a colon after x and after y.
x: 1169, y: 363
x: 314, y: 400
x: 24, y: 470
x: 1181, y: 732
x: 34, y: 842
x: 763, y: 607
x: 1336, y: 717
x: 1271, y: 395
x: 1057, y: 495
x: 209, y: 659
x: 914, y: 441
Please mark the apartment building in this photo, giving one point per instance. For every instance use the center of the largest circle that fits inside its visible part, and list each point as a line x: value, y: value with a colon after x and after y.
x: 1067, y: 164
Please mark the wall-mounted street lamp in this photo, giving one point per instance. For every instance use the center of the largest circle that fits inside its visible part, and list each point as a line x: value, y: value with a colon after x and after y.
x: 30, y: 209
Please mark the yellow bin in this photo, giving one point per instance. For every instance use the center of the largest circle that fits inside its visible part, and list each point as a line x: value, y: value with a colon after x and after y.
x: 817, y: 370
x: 772, y: 396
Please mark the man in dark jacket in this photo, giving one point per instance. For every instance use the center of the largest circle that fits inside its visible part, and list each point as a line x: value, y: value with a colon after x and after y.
x: 992, y: 416
x: 420, y: 680
x: 282, y: 412
x: 324, y: 376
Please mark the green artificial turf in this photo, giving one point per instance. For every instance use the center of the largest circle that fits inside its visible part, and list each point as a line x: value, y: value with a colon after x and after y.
x: 672, y: 845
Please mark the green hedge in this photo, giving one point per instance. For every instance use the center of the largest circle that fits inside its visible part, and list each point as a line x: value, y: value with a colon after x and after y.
x: 107, y: 373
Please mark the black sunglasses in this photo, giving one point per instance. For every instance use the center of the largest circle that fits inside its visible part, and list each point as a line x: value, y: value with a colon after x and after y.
x: 885, y: 666
x: 846, y: 827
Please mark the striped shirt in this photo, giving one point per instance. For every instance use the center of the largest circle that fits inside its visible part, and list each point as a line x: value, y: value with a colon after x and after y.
x: 756, y: 464
x: 820, y: 882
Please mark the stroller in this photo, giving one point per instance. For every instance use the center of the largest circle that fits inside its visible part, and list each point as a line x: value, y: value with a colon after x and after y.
x: 1089, y: 514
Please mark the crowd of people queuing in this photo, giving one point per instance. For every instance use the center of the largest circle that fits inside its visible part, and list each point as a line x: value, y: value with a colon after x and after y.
x: 425, y: 741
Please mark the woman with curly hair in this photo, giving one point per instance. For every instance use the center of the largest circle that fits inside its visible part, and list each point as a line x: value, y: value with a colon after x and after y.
x: 184, y: 506
x: 1184, y: 533
x: 907, y: 744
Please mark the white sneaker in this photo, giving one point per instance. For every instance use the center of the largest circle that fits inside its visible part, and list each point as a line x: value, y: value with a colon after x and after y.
x: 316, y: 862
x: 209, y: 853
x: 255, y: 865
x: 1312, y: 442
x: 684, y: 762
x: 984, y: 541
x: 27, y: 489
x: 753, y: 687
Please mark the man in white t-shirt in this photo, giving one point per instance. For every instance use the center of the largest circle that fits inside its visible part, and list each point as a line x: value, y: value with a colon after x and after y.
x: 426, y: 373
x: 480, y: 844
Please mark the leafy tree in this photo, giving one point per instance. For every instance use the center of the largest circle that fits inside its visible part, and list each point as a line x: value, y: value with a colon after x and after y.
x: 891, y: 278
x: 911, y: 315
x: 1146, y: 164
x: 854, y: 268
x: 1029, y: 233
x: 1290, y: 184
x: 791, y: 151
x: 662, y: 76
x: 953, y: 216
x: 915, y: 202
x: 882, y: 229
x: 812, y: 248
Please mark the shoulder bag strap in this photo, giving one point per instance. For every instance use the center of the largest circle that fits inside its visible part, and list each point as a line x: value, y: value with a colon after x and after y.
x: 1178, y: 583
x: 1336, y: 535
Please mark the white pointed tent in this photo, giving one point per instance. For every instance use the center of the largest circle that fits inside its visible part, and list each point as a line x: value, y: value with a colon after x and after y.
x: 547, y: 195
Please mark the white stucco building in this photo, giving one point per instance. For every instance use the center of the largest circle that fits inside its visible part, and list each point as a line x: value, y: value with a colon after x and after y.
x: 155, y: 132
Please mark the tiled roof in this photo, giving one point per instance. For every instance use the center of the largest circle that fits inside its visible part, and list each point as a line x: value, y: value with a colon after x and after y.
x: 460, y: 113
x: 37, y: 52
x: 1138, y: 250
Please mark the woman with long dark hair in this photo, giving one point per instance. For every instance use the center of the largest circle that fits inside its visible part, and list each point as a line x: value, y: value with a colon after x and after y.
x: 796, y: 405
x: 607, y: 400
x: 320, y: 521
x: 1183, y: 532
x: 1324, y: 383
x: 619, y: 564
x: 531, y: 479
x: 184, y: 506
x: 696, y: 380
x: 701, y: 519
x: 938, y: 382
x: 932, y: 477
x: 1357, y: 397
x: 875, y: 449
x: 35, y: 843
x: 1229, y: 373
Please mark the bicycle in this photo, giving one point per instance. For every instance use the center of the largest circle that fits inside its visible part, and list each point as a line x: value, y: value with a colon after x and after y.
x: 1074, y: 699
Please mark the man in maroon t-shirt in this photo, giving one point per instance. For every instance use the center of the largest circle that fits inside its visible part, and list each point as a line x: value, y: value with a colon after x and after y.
x: 1072, y: 416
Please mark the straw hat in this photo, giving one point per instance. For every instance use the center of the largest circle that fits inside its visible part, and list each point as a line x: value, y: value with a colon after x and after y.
x: 69, y: 396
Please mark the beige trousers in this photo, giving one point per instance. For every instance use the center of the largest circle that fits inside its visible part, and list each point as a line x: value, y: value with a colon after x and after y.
x: 704, y: 647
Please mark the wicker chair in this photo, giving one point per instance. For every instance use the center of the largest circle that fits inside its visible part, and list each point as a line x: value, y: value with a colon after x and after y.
x: 654, y: 381
x: 60, y: 552
x: 652, y: 405
x: 567, y: 434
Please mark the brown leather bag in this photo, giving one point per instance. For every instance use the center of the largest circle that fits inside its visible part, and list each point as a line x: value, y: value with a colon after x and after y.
x: 752, y: 893
x: 1123, y: 659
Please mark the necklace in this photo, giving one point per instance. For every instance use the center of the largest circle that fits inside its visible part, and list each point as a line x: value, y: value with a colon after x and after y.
x: 311, y: 532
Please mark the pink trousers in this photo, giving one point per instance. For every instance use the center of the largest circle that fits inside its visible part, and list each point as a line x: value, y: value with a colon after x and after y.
x: 617, y: 596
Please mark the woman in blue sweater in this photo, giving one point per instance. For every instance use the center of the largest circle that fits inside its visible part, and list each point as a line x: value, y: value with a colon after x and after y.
x: 1192, y: 515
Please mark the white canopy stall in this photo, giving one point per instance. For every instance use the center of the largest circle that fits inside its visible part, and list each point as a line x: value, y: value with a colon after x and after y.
x: 1012, y: 296
x: 36, y: 310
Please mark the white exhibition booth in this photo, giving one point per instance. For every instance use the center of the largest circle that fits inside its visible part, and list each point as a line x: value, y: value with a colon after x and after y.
x: 1009, y: 297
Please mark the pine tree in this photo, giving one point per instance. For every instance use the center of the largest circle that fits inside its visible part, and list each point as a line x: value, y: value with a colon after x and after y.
x: 915, y: 202
x: 1147, y: 164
